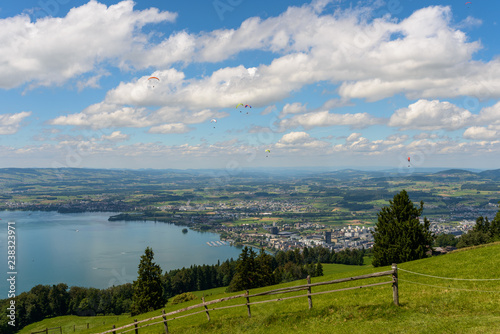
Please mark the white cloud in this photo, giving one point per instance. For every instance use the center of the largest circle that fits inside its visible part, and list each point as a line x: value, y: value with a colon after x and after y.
x: 431, y: 115
x: 10, y: 123
x: 295, y: 138
x: 115, y: 136
x: 324, y: 118
x: 355, y: 143
x: 103, y: 115
x: 293, y: 108
x: 300, y: 140
x: 481, y: 133
x: 53, y: 50
x: 360, y: 55
x: 342, y: 47
x: 490, y: 116
x: 170, y: 128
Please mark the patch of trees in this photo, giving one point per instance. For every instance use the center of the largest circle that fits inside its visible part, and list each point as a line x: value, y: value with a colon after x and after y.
x: 483, y: 232
x: 365, y: 195
x: 355, y: 206
x: 253, y: 271
x: 399, y: 236
x: 481, y: 186
x: 260, y: 270
x: 45, y: 301
x: 444, y: 239
x: 198, y: 277
x: 264, y: 194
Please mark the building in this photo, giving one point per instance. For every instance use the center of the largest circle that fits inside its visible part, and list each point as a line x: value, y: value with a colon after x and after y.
x: 328, y: 237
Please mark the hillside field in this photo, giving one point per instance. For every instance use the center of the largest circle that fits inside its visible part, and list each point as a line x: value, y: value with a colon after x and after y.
x: 427, y: 304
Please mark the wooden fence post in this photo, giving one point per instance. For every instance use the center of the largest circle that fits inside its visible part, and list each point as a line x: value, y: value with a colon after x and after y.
x: 248, y: 305
x: 309, y: 297
x: 136, y: 329
x: 114, y: 332
x: 206, y: 308
x: 165, y: 321
x: 395, y: 292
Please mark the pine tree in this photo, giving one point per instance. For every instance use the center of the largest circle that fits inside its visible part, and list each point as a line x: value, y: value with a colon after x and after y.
x: 399, y: 235
x: 495, y: 226
x: 319, y: 269
x: 148, y: 288
x: 264, y: 266
x: 246, y: 275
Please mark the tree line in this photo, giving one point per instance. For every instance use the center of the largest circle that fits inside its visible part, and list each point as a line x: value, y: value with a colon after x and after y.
x: 45, y: 301
x: 483, y: 232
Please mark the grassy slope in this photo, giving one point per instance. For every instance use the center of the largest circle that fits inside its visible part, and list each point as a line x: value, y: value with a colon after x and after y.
x: 428, y: 305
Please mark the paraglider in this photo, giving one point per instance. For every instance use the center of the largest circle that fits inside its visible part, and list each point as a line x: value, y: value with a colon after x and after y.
x: 244, y: 105
x: 152, y: 81
x: 409, y: 162
x: 267, y: 152
x: 213, y: 121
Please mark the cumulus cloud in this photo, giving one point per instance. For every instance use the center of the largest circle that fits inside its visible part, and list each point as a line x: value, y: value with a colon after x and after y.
x: 490, y: 116
x: 108, y: 115
x: 52, y: 50
x: 431, y: 115
x: 115, y: 136
x: 343, y: 47
x: 299, y: 140
x: 293, y: 108
x: 295, y: 138
x: 170, y: 128
x: 324, y: 118
x: 10, y: 123
x: 104, y: 115
x: 481, y: 133
x: 355, y: 143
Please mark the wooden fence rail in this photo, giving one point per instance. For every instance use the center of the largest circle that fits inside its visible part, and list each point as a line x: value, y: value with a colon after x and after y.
x: 46, y: 330
x: 135, y: 325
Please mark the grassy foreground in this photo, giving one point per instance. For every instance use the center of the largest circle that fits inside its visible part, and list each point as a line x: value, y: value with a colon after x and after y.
x: 427, y: 304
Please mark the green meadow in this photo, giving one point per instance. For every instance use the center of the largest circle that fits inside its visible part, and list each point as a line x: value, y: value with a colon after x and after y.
x: 454, y: 293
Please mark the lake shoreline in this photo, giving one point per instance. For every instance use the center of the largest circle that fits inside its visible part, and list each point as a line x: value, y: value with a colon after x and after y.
x: 85, y: 249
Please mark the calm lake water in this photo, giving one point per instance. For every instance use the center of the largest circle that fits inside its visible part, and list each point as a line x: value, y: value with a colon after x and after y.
x: 86, y: 250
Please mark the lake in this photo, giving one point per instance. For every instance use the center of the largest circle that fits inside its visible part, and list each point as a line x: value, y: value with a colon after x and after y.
x: 84, y: 249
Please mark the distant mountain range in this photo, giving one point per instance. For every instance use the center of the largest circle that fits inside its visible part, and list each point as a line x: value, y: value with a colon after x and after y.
x: 28, y: 175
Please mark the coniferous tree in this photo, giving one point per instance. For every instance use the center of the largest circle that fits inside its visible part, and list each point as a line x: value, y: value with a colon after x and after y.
x: 399, y: 235
x: 246, y: 276
x: 148, y: 288
x: 495, y: 226
x: 264, y: 269
x: 319, y: 269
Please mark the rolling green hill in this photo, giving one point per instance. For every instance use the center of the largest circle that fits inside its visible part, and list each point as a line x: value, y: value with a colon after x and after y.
x: 428, y: 304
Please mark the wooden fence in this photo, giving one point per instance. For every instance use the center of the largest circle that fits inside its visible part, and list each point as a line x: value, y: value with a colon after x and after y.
x: 136, y: 325
x: 47, y: 330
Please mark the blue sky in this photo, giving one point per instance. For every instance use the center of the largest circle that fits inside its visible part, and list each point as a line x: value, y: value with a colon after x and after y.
x: 331, y: 83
